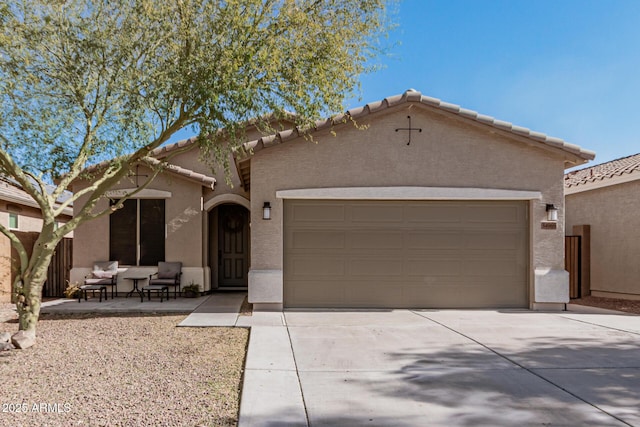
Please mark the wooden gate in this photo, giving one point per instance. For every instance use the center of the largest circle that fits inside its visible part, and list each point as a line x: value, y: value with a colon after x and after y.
x: 59, y: 269
x: 573, y: 264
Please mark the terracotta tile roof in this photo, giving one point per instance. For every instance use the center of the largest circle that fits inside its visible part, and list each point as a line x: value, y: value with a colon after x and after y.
x: 163, y: 150
x: 413, y: 96
x: 410, y: 96
x: 205, y: 180
x: 624, y: 167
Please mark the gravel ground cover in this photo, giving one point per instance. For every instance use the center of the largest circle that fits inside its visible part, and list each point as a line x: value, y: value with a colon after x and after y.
x: 122, y: 370
x: 629, y: 306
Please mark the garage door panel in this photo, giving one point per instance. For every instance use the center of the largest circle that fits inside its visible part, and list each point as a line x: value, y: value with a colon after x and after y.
x: 313, y: 239
x: 376, y: 267
x: 377, y: 294
x: 318, y: 293
x: 366, y: 213
x: 318, y: 212
x: 492, y: 268
x: 376, y: 241
x: 433, y: 214
x: 416, y: 268
x: 493, y: 240
x: 406, y: 254
x: 434, y: 239
x: 317, y: 267
x: 494, y: 214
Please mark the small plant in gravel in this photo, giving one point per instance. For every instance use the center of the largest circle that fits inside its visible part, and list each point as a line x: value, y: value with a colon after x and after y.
x: 73, y: 290
x: 191, y: 290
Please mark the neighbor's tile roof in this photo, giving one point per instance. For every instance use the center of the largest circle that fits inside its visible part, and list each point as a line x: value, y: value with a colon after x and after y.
x: 602, y: 172
x: 413, y: 96
x: 12, y: 192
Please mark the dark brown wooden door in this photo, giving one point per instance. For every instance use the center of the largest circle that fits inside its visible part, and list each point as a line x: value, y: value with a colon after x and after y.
x: 233, y: 242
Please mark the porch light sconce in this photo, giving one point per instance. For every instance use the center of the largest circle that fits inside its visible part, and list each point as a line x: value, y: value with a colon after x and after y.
x: 552, y: 212
x: 266, y: 210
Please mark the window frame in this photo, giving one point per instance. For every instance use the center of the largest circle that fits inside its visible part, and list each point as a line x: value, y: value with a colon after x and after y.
x: 13, y: 216
x: 122, y: 252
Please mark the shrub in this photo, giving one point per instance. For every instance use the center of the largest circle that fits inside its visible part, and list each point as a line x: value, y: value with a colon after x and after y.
x: 72, y: 291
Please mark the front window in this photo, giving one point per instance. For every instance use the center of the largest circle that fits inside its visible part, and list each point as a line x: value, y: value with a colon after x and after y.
x: 13, y: 221
x: 137, y: 232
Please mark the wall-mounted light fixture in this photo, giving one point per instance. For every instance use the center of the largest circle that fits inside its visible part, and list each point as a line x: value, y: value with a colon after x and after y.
x: 552, y: 212
x: 266, y: 210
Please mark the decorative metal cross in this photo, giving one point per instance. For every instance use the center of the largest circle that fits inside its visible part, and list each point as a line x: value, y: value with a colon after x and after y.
x: 137, y: 175
x: 409, y: 129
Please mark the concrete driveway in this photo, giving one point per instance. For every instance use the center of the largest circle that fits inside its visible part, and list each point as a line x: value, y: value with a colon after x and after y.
x: 442, y: 368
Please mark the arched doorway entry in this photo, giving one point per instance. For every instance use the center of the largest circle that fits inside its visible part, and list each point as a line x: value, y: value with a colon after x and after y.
x: 229, y: 246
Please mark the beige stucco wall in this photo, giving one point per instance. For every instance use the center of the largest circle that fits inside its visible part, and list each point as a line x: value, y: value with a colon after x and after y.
x: 612, y: 213
x: 449, y: 152
x: 29, y: 218
x: 184, y: 224
x: 192, y: 161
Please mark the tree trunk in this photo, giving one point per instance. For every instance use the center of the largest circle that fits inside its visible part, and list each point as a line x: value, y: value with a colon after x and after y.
x: 29, y: 294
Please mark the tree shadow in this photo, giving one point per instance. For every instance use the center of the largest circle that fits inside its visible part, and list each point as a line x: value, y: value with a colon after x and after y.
x: 553, y: 381
x: 475, y: 374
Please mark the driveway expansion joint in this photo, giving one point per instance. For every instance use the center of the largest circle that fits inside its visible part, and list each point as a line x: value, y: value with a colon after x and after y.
x: 530, y: 370
x: 295, y: 362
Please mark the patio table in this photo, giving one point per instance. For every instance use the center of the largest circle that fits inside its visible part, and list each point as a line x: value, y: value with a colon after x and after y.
x: 135, y: 286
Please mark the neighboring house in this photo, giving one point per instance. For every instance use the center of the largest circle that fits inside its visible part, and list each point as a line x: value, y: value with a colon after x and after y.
x: 21, y: 214
x: 431, y: 205
x: 606, y: 197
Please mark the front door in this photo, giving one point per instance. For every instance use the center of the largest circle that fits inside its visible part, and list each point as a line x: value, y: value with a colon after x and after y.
x: 233, y: 242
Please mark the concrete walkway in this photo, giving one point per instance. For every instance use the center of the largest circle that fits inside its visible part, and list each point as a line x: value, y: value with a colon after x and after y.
x: 220, y: 309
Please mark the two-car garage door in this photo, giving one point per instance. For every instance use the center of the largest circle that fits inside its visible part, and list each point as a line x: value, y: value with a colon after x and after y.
x: 393, y: 254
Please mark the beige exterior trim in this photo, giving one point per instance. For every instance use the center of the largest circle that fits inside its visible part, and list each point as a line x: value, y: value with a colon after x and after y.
x: 227, y: 198
x: 146, y: 193
x: 606, y: 182
x: 408, y: 193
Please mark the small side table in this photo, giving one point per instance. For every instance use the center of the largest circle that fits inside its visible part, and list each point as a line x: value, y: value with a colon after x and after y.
x: 93, y: 288
x: 135, y: 280
x: 163, y: 290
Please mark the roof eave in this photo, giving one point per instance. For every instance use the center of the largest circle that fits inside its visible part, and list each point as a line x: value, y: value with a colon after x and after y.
x: 574, y: 154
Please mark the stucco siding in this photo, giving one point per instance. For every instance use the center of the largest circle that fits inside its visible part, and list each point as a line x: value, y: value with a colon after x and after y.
x: 447, y: 153
x: 183, y: 217
x: 227, y: 184
x: 612, y: 213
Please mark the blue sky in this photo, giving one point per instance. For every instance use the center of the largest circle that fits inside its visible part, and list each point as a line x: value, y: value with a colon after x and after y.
x: 570, y: 69
x: 567, y: 68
